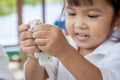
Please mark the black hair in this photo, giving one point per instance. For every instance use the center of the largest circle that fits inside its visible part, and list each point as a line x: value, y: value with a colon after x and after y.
x: 114, y: 3
x: 79, y: 2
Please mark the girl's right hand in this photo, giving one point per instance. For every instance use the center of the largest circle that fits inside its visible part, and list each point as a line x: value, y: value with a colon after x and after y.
x: 26, y: 40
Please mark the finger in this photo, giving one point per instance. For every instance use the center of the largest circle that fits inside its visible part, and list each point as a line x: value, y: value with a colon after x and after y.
x: 45, y: 48
x: 30, y: 49
x: 23, y: 27
x: 40, y: 42
x: 44, y: 31
x: 41, y: 34
x: 25, y: 35
x: 43, y: 27
x: 28, y: 42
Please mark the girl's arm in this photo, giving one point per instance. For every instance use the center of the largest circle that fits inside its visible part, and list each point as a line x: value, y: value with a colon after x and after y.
x: 33, y: 71
x: 51, y: 40
x: 79, y: 66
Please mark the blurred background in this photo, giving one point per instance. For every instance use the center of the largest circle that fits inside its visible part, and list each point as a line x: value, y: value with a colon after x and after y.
x: 16, y: 12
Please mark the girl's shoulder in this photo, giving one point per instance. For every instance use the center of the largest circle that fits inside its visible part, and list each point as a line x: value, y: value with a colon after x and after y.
x: 115, y: 36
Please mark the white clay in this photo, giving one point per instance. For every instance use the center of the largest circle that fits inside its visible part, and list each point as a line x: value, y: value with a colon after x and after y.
x: 42, y: 56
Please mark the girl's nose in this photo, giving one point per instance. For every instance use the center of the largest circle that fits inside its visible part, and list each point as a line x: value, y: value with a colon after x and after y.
x: 81, y: 23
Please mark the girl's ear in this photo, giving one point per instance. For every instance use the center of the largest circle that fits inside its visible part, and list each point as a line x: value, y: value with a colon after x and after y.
x: 117, y: 23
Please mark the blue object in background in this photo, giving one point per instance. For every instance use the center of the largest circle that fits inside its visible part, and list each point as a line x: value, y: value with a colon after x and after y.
x: 60, y: 23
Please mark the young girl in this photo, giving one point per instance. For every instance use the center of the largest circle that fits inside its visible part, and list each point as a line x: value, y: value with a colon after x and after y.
x: 93, y: 25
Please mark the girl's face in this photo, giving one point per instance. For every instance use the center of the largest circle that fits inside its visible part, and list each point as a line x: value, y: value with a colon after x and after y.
x: 89, y: 25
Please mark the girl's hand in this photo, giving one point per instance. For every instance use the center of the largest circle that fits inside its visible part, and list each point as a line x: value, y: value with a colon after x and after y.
x: 50, y: 39
x: 26, y: 40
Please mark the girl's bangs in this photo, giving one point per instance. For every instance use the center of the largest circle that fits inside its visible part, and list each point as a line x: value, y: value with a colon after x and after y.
x: 80, y: 2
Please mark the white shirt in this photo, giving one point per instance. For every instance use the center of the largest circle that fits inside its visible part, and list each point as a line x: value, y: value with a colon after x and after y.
x: 106, y: 57
x: 5, y: 73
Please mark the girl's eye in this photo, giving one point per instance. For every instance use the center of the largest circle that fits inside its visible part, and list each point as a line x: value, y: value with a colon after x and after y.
x: 93, y: 16
x: 71, y: 14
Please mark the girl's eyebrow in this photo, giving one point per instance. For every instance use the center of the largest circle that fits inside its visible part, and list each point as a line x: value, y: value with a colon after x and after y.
x: 68, y: 7
x: 94, y: 9
x: 88, y: 9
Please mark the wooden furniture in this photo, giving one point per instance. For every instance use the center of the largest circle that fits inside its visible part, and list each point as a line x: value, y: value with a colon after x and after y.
x: 19, y: 11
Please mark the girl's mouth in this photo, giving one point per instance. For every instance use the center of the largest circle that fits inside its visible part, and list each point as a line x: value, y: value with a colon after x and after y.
x: 82, y: 36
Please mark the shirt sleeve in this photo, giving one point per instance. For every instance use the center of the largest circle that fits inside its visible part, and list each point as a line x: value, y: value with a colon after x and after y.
x: 24, y: 76
x: 57, y: 71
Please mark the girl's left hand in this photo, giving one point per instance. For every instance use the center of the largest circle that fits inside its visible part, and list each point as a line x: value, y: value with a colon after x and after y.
x: 50, y: 39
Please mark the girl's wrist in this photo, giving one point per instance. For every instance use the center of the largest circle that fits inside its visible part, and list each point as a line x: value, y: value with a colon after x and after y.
x: 31, y: 56
x: 32, y: 60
